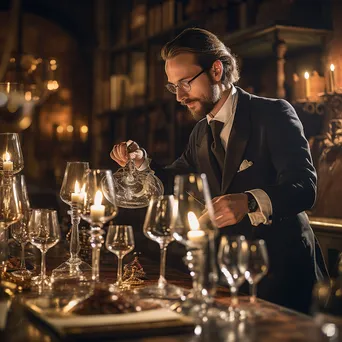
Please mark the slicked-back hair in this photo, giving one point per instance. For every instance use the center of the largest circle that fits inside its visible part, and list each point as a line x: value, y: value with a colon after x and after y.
x: 207, y: 48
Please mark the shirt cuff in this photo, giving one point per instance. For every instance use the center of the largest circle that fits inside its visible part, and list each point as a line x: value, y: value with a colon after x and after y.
x: 264, y: 213
x: 145, y: 163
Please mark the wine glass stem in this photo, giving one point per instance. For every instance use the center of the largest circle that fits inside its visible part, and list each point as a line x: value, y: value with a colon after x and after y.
x: 96, y: 241
x: 252, y: 288
x: 162, y: 280
x: 43, y: 267
x: 3, y: 247
x: 22, y: 259
x: 74, y: 240
x: 119, y: 274
x: 234, y: 297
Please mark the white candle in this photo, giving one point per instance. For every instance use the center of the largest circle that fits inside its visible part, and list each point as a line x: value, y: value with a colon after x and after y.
x: 307, y: 84
x: 332, y: 78
x: 195, y: 234
x: 78, y: 195
x: 7, y: 163
x: 97, y: 210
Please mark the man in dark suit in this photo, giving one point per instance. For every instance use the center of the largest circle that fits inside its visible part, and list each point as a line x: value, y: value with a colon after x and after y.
x: 257, y: 161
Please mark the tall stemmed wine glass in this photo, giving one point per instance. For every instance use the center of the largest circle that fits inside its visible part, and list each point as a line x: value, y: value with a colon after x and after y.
x: 10, y: 213
x: 229, y: 259
x: 194, y: 226
x: 254, y: 264
x: 73, y: 193
x: 157, y: 228
x: 120, y: 241
x: 44, y: 233
x: 19, y: 229
x: 100, y: 207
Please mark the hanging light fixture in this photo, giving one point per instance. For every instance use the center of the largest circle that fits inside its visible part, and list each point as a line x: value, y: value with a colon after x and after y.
x: 25, y: 79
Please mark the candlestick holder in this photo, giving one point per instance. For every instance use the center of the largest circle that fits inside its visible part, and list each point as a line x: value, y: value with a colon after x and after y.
x: 72, y: 193
x: 193, y: 225
x: 99, y: 208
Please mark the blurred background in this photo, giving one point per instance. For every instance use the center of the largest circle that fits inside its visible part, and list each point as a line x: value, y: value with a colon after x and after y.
x: 93, y: 77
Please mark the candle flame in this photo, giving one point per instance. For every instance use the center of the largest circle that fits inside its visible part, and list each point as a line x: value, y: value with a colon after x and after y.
x: 77, y: 188
x: 6, y: 157
x: 306, y: 75
x: 332, y: 67
x: 193, y: 222
x: 98, y: 198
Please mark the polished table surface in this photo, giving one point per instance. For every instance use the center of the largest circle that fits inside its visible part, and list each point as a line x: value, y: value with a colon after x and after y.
x: 276, y: 323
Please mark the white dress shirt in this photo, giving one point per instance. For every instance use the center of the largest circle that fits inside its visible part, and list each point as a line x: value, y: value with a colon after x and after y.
x: 226, y: 115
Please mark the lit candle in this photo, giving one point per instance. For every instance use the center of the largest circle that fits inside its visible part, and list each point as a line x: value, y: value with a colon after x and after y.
x: 97, y: 210
x: 7, y: 163
x: 195, y: 235
x: 78, y: 195
x: 332, y: 78
x: 307, y: 84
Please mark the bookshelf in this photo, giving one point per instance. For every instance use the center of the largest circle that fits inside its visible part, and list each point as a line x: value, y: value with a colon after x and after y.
x: 136, y: 104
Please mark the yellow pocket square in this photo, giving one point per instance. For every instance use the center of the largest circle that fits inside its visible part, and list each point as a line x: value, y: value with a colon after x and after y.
x: 245, y: 165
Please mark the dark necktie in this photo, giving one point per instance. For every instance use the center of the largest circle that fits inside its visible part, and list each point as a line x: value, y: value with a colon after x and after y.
x: 216, y: 146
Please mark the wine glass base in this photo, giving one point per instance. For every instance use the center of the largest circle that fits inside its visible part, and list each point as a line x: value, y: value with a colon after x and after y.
x: 41, y: 284
x: 72, y: 269
x: 25, y: 274
x: 199, y: 308
x: 167, y: 292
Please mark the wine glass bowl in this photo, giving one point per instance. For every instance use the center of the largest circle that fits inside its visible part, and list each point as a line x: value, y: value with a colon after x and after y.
x: 120, y: 241
x: 193, y: 222
x: 10, y: 206
x: 11, y: 157
x: 19, y: 229
x: 73, y: 186
x: 254, y: 263
x: 229, y: 258
x: 100, y: 203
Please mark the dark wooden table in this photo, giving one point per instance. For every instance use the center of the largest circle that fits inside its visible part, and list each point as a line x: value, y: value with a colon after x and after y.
x: 276, y: 324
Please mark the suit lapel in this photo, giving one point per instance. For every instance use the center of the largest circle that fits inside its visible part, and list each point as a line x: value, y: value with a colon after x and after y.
x: 208, y: 163
x: 237, y: 140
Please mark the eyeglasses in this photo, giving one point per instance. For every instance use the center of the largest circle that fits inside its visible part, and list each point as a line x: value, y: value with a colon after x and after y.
x: 184, y: 85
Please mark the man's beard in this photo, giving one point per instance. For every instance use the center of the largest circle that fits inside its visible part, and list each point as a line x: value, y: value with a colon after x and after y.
x: 206, y: 104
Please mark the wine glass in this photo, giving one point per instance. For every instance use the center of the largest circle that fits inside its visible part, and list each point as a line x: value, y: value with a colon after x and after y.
x: 44, y: 233
x: 194, y: 226
x: 11, y: 156
x: 120, y: 241
x: 10, y: 213
x: 229, y: 256
x: 99, y: 208
x: 73, y: 193
x: 254, y: 264
x: 19, y: 229
x: 157, y: 228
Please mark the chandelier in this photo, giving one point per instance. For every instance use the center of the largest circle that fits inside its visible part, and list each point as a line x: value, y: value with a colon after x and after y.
x: 26, y: 80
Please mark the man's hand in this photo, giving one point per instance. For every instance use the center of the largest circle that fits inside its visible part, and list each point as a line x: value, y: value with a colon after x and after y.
x: 230, y: 209
x: 121, y: 153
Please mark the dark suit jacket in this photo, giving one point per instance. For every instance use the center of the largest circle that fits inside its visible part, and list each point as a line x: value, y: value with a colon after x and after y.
x: 268, y: 133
